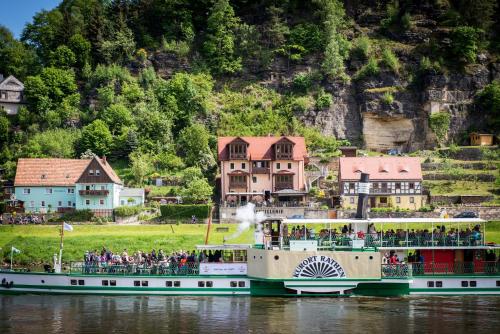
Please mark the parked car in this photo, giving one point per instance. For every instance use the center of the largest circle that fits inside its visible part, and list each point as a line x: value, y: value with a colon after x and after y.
x: 467, y: 214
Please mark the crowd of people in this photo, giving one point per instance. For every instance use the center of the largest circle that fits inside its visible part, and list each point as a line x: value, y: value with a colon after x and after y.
x: 22, y: 219
x: 440, y: 235
x: 181, y: 258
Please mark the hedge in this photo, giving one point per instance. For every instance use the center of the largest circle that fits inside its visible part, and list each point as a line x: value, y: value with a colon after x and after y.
x: 127, y: 211
x: 76, y: 216
x: 183, y: 211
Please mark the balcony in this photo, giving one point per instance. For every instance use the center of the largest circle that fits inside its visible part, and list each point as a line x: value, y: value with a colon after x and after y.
x: 237, y: 156
x: 93, y: 192
x: 283, y: 185
x: 261, y: 170
x: 233, y: 185
x: 284, y: 156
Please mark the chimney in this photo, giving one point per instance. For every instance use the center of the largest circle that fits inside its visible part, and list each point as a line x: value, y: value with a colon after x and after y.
x: 1, y: 77
x: 363, y: 193
x: 103, y: 159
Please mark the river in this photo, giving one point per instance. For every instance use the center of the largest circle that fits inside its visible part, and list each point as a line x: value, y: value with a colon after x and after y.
x: 35, y: 314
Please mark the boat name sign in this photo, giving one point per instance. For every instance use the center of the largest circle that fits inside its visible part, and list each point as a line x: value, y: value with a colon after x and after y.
x: 319, y: 266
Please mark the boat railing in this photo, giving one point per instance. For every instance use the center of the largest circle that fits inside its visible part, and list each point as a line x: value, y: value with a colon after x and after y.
x: 168, y: 269
x: 374, y: 241
x: 399, y: 270
x: 457, y: 268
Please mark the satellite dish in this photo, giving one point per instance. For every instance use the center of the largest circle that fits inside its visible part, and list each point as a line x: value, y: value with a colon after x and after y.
x: 12, y: 197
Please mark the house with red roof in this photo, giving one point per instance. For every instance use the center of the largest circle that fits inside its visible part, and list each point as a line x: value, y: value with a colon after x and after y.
x: 262, y: 169
x: 394, y: 181
x: 61, y: 185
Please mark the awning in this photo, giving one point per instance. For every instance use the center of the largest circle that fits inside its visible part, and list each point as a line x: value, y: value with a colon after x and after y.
x: 289, y: 192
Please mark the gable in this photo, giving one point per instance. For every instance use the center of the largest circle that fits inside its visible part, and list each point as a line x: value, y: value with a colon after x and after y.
x: 96, y: 172
x: 11, y: 83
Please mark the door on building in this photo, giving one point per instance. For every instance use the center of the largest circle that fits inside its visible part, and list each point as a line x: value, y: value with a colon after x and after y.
x: 373, y: 202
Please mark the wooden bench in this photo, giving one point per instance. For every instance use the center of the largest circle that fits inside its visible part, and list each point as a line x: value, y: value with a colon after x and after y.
x: 222, y: 229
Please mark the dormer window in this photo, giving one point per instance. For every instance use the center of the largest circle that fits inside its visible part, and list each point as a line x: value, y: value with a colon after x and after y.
x: 238, y: 150
x: 357, y: 169
x: 44, y: 176
x: 283, y: 150
x: 404, y: 169
x: 384, y: 169
x: 91, y: 172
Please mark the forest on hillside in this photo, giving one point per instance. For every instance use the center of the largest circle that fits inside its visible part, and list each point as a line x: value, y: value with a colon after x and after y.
x: 152, y: 83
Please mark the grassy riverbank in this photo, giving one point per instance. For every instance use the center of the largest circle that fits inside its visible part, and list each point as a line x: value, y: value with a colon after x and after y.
x: 39, y: 243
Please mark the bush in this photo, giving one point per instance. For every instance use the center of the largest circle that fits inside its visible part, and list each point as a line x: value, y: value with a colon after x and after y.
x: 440, y: 124
x: 362, y: 48
x: 390, y: 60
x: 184, y: 211
x: 302, y: 82
x: 301, y: 104
x: 369, y: 69
x: 426, y: 65
x: 387, y: 98
x: 488, y: 100
x: 180, y: 48
x: 127, y: 211
x: 2, y: 207
x: 77, y: 216
x: 465, y: 43
x: 323, y: 100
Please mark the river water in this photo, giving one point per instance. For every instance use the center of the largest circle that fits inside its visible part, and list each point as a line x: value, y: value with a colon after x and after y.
x: 100, y: 314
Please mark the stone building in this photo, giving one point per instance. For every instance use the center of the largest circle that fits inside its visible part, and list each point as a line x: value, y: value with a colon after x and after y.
x: 11, y: 94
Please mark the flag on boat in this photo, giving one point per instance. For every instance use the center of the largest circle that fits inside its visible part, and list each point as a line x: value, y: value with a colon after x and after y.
x: 67, y: 227
x: 15, y: 250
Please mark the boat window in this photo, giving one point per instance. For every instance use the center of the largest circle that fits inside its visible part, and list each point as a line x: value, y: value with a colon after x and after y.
x: 112, y: 283
x: 210, y: 284
x: 430, y: 284
x: 439, y: 284
x: 465, y: 284
x: 473, y: 284
x: 105, y: 283
x: 168, y: 284
x: 81, y: 282
x: 73, y: 282
x: 241, y: 284
x: 177, y: 284
x: 498, y: 283
x: 137, y: 283
x: 201, y: 284
x: 145, y: 283
x: 233, y: 284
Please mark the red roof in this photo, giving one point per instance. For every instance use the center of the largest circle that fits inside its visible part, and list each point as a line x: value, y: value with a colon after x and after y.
x: 380, y: 168
x: 55, y: 172
x: 261, y: 148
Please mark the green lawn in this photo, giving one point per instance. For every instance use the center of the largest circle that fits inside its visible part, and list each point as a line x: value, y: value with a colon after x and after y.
x: 39, y: 243
x: 459, y: 187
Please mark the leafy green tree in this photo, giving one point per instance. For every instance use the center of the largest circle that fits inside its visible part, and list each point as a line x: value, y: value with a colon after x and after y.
x: 116, y: 117
x: 16, y: 58
x: 97, y: 138
x: 478, y: 13
x: 169, y: 162
x: 190, y: 174
x: 219, y: 43
x: 337, y: 45
x: 4, y: 129
x: 81, y: 48
x: 120, y: 48
x: 193, y: 145
x: 57, y: 143
x: 488, y: 99
x: 439, y: 123
x: 465, y: 43
x: 45, y: 33
x: 62, y: 57
x: 198, y: 190
x: 141, y: 166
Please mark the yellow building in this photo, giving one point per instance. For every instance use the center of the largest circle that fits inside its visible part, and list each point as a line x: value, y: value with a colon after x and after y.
x: 394, y: 182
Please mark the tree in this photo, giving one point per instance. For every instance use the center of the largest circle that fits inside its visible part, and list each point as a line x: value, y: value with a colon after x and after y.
x: 219, y: 42
x: 45, y: 33
x: 62, y: 57
x: 97, y: 138
x: 198, y: 190
x: 193, y: 145
x: 4, y: 130
x: 488, y: 99
x: 465, y: 43
x: 57, y: 143
x: 337, y: 45
x: 120, y: 48
x: 190, y: 174
x: 116, y: 117
x: 439, y: 123
x: 81, y: 48
x: 141, y: 166
x: 478, y: 13
x: 15, y: 57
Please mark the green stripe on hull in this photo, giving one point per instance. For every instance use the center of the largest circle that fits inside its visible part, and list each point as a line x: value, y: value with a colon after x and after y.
x: 381, y: 289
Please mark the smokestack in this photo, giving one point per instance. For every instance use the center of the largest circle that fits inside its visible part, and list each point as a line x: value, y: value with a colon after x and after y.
x: 363, y: 192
